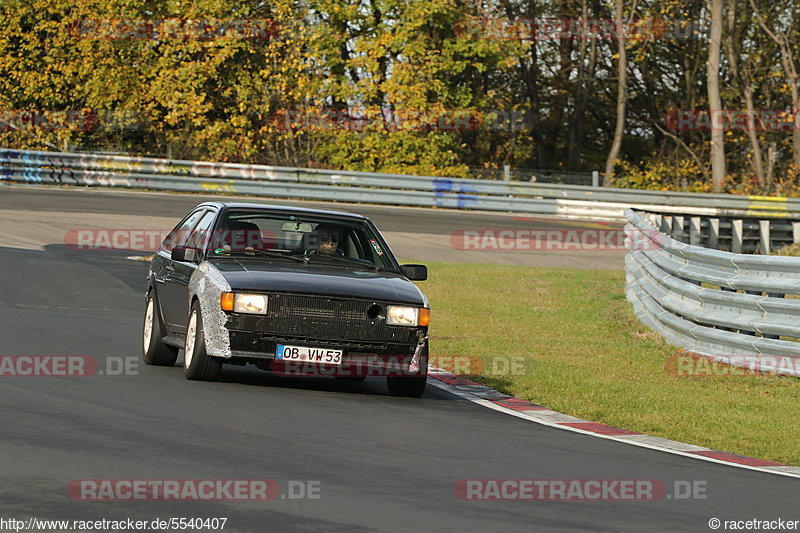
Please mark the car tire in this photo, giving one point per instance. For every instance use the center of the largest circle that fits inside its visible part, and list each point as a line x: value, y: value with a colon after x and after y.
x: 154, y: 351
x: 197, y: 364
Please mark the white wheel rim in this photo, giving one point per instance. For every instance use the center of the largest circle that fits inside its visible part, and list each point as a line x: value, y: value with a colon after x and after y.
x: 191, y: 332
x: 148, y: 325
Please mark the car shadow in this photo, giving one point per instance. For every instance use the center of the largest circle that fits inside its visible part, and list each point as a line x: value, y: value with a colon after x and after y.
x: 372, y: 386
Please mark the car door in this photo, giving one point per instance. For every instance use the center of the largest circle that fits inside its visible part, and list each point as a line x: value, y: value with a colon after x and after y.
x: 162, y: 261
x: 175, y: 289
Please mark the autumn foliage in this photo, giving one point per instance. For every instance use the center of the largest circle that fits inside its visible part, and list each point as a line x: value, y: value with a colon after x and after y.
x: 409, y: 86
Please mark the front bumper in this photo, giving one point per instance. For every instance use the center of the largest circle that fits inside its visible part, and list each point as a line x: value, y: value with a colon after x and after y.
x: 360, y: 358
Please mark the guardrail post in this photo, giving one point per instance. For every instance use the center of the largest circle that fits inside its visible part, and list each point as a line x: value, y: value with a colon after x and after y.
x: 658, y: 220
x: 736, y: 236
x: 694, y: 231
x: 764, y: 236
x: 677, y: 228
x: 595, y: 178
x: 795, y: 231
x: 666, y: 224
x: 713, y: 233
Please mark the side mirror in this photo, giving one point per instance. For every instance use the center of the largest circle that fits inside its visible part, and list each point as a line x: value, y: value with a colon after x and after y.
x: 415, y: 272
x: 189, y: 255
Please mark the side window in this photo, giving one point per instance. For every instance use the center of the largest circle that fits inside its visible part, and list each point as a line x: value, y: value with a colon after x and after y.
x: 179, y: 235
x: 199, y: 236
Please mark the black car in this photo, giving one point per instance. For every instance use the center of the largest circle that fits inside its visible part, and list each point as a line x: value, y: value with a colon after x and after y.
x: 300, y: 292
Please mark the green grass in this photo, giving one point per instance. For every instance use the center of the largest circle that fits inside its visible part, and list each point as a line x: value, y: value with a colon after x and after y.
x: 577, y: 348
x: 789, y: 249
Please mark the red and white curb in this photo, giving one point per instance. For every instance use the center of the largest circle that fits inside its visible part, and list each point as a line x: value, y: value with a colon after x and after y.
x: 488, y: 397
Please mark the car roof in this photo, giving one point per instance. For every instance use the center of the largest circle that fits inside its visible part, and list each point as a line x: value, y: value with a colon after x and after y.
x: 282, y: 209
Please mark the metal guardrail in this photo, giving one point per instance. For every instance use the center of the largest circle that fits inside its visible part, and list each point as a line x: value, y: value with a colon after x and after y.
x: 536, y: 175
x: 760, y: 235
x: 740, y: 309
x: 30, y: 166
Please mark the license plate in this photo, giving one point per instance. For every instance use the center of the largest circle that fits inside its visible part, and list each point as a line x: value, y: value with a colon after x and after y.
x: 306, y: 354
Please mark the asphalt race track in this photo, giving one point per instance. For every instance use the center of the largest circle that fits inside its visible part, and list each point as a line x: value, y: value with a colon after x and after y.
x: 381, y: 463
x: 33, y: 217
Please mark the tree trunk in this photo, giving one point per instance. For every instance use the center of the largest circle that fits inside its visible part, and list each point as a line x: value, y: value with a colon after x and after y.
x: 585, y: 85
x: 622, y: 82
x: 743, y: 78
x: 795, y: 110
x: 714, y: 101
x: 772, y: 155
x: 529, y: 74
x: 787, y: 59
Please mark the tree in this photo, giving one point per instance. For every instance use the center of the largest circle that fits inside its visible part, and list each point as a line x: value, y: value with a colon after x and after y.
x: 714, y: 101
x: 622, y: 92
x: 784, y: 42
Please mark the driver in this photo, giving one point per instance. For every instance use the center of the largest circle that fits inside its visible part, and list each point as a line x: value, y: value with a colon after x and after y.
x: 327, y: 239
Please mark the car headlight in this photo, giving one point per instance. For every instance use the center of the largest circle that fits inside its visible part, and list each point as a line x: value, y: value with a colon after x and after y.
x: 407, y: 316
x: 254, y: 304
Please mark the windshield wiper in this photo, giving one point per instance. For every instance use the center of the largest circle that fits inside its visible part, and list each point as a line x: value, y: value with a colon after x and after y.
x: 349, y: 260
x: 261, y: 253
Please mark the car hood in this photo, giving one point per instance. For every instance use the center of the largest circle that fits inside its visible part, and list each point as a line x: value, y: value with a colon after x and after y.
x: 259, y: 275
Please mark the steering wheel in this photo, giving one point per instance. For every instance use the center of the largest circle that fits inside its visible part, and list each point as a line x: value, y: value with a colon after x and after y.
x: 309, y: 252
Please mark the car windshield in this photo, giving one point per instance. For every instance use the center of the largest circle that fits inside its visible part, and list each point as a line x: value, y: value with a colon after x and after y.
x: 312, y: 240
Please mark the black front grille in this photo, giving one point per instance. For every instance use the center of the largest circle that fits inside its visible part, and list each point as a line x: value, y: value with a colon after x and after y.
x: 323, y: 318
